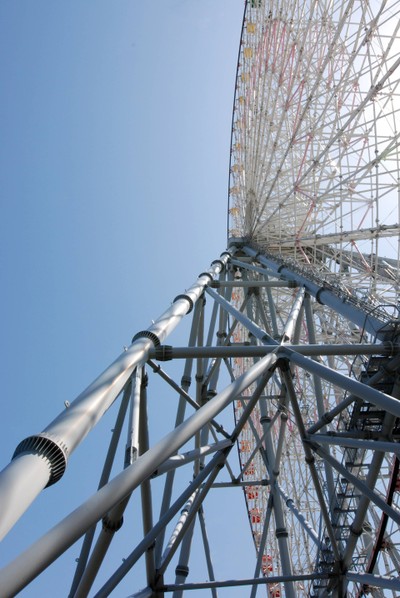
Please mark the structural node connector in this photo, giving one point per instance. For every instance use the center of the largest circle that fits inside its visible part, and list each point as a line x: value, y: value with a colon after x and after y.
x: 48, y: 448
x: 188, y: 299
x: 164, y: 353
x: 147, y: 334
x: 206, y: 274
x: 217, y: 262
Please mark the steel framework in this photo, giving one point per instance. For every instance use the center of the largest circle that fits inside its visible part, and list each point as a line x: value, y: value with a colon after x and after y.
x: 289, y: 388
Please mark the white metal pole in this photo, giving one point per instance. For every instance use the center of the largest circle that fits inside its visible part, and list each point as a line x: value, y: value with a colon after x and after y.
x: 27, y: 476
x: 68, y: 430
x: 43, y: 552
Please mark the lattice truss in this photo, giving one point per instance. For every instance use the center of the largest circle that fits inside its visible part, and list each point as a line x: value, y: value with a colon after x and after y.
x: 315, y: 158
x: 294, y: 403
x: 288, y: 392
x: 315, y: 179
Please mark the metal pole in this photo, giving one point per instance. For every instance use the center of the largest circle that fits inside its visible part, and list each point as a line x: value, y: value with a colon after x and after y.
x: 324, y: 295
x: 238, y: 484
x: 233, y: 284
x: 258, y: 332
x: 262, y: 315
x: 172, y: 542
x: 363, y: 391
x: 362, y: 486
x: 207, y: 551
x: 190, y: 456
x: 319, y: 396
x: 20, y: 482
x: 74, y: 423
x: 67, y: 431
x: 145, y: 487
x: 183, y: 398
x: 309, y: 457
x: 358, y: 443
x: 188, y: 516
x: 242, y: 264
x: 105, y: 475
x: 43, y: 552
x: 329, y: 416
x: 182, y: 568
x: 183, y: 394
x: 130, y: 561
x: 112, y: 522
x: 262, y: 545
x: 231, y: 583
x: 280, y: 531
x: 167, y: 352
x: 293, y: 316
x: 132, y: 442
x: 374, y: 580
x: 300, y: 518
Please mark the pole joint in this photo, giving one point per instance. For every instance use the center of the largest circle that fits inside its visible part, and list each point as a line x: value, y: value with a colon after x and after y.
x: 182, y: 570
x: 163, y: 353
x: 206, y: 274
x: 188, y: 299
x: 110, y: 525
x: 54, y: 451
x: 147, y: 334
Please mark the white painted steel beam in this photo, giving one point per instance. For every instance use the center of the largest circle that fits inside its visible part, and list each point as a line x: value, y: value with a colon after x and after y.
x: 31, y: 562
x: 68, y: 430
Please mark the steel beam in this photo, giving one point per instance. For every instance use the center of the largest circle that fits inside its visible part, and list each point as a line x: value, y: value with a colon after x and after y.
x: 289, y: 502
x: 309, y: 458
x: 236, y: 284
x: 350, y: 311
x: 185, y: 528
x: 180, y: 414
x: 112, y: 522
x: 43, y: 552
x: 293, y: 317
x: 239, y: 484
x: 68, y: 430
x: 377, y: 581
x: 358, y: 443
x: 252, y: 268
x: 167, y: 352
x: 190, y: 456
x: 251, y: 326
x: 105, y: 475
x: 280, y: 525
x: 183, y: 394
x: 358, y: 389
x: 319, y: 396
x: 161, y: 524
x: 231, y: 583
x: 362, y: 486
x: 207, y: 551
x: 263, y: 542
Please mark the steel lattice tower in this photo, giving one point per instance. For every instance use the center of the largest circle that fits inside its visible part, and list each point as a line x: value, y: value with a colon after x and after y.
x: 289, y: 387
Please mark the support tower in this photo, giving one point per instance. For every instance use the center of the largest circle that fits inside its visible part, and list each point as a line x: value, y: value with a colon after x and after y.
x: 288, y: 386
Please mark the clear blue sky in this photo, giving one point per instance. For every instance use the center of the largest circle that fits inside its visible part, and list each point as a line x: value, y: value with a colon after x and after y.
x: 115, y: 127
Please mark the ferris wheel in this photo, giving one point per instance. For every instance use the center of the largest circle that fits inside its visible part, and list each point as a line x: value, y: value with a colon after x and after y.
x: 289, y: 391
x: 315, y: 135
x: 315, y: 190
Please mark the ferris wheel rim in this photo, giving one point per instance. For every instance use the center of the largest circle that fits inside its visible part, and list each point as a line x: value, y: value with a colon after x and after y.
x: 342, y: 249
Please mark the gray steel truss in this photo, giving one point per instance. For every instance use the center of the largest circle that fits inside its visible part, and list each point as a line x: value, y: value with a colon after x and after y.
x: 294, y: 405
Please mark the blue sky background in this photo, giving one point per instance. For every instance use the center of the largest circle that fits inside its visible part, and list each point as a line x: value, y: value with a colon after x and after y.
x: 115, y: 123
